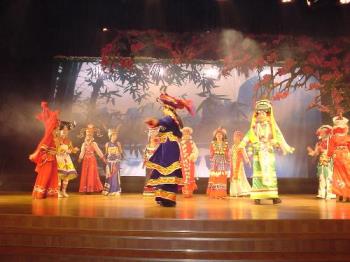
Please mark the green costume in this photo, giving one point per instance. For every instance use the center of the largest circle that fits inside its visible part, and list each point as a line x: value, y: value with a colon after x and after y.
x: 264, y: 137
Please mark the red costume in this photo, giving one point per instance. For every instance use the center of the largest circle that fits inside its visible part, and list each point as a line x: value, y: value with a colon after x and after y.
x: 46, y: 184
x: 90, y: 180
x: 189, y: 154
x: 339, y: 148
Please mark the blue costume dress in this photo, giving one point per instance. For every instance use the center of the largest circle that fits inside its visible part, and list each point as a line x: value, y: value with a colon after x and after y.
x: 114, y: 157
x: 165, y: 162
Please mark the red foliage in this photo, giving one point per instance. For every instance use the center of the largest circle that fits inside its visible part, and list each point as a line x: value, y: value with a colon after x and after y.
x: 307, y: 70
x: 323, y: 108
x: 137, y: 47
x: 126, y: 62
x: 315, y: 59
x: 315, y: 85
x: 327, y: 61
x: 332, y: 64
x: 337, y: 97
x: 163, y: 43
x: 259, y: 62
x: 280, y: 95
x: 266, y: 79
x: 286, y: 68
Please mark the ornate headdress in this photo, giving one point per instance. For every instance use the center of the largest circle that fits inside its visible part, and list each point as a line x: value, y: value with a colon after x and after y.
x: 176, y: 103
x: 340, y: 121
x: 69, y: 125
x: 263, y: 105
x: 220, y: 130
x: 326, y: 128
x: 152, y: 131
x: 238, y: 134
x: 187, y: 129
x: 340, y: 125
x: 112, y: 131
x: 90, y: 129
x: 266, y: 106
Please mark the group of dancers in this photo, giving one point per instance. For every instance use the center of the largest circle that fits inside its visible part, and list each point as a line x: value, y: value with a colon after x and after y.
x: 170, y: 155
x: 54, y: 165
x: 333, y: 152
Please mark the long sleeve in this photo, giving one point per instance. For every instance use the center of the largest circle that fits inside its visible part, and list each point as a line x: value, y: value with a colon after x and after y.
x: 211, y: 150
x: 227, y: 152
x: 97, y: 150
x: 82, y: 152
x: 245, y: 140
x: 195, y: 152
x: 245, y: 155
x: 282, y: 142
x: 331, y: 146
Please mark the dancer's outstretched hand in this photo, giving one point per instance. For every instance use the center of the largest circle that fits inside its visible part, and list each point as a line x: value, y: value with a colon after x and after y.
x: 152, y: 122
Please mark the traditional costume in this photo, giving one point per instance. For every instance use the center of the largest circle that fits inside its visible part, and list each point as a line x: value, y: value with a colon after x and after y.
x: 165, y: 162
x: 339, y: 150
x: 89, y: 179
x: 189, y: 155
x: 66, y: 169
x: 239, y: 185
x: 219, y: 157
x: 325, y: 163
x: 46, y: 184
x: 264, y: 136
x: 151, y: 147
x: 114, y: 155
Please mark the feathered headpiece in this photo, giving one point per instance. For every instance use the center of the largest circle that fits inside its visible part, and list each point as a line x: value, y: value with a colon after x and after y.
x: 176, y: 103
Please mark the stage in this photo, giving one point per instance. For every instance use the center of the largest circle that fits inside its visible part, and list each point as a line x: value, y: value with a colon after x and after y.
x: 136, y: 206
x: 131, y: 227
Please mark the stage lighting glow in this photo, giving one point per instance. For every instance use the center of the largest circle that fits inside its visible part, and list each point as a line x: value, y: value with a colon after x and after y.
x: 161, y: 71
x: 344, y: 2
x: 211, y: 73
x: 311, y: 2
x: 105, y: 29
x: 286, y: 1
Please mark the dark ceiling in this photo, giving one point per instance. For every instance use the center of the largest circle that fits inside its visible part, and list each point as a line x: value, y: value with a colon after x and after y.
x: 40, y: 29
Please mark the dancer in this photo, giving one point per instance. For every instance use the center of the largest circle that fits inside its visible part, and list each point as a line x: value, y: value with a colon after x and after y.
x: 46, y: 184
x: 114, y: 153
x: 325, y: 163
x: 151, y: 147
x: 264, y: 136
x: 339, y: 150
x: 219, y: 156
x: 90, y: 180
x: 66, y: 169
x: 189, y: 155
x: 239, y: 185
x: 165, y: 162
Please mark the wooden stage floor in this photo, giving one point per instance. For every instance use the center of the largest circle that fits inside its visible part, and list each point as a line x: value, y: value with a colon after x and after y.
x: 199, y: 207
